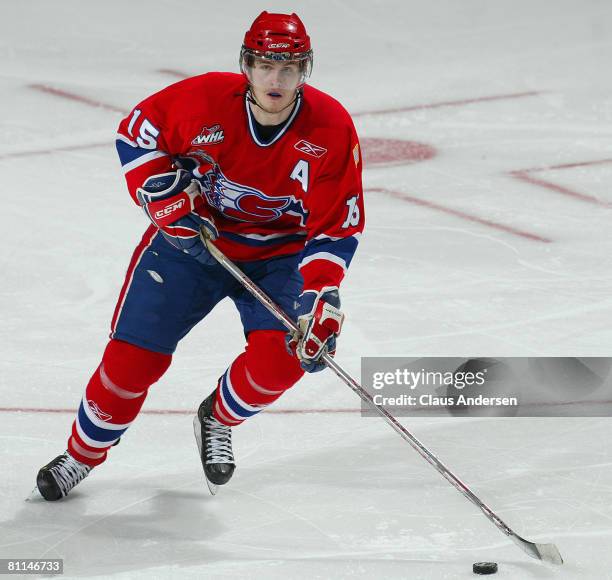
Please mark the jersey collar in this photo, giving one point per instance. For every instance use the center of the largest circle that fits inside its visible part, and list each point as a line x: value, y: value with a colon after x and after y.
x: 288, y: 122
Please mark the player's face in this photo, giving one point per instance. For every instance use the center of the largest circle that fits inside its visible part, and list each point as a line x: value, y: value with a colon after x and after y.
x: 274, y: 83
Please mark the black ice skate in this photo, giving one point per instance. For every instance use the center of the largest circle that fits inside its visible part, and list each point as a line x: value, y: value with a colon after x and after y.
x: 57, y: 478
x: 215, y: 446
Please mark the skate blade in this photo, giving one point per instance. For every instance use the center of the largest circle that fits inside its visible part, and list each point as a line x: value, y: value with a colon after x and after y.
x: 34, y: 495
x: 211, y: 486
x: 197, y: 431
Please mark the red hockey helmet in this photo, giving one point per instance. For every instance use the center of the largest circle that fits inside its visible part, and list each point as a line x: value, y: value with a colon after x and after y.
x: 277, y: 37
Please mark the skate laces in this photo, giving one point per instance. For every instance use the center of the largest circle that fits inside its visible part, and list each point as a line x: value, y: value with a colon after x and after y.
x: 68, y: 472
x: 218, y: 442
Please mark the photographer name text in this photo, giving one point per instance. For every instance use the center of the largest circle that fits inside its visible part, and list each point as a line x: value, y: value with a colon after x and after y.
x: 427, y: 400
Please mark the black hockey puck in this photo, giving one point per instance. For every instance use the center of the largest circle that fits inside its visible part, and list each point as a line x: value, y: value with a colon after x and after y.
x: 484, y: 568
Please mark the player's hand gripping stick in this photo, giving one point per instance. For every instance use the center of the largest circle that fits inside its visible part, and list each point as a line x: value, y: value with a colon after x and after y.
x: 319, y: 319
x: 173, y: 202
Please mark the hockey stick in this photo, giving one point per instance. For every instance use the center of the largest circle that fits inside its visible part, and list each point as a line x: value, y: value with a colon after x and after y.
x: 546, y: 552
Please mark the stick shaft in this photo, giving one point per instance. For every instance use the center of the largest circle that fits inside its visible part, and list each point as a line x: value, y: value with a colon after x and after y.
x: 345, y: 377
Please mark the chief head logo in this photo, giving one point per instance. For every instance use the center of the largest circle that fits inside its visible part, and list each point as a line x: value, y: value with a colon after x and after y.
x: 209, y: 136
x: 246, y: 204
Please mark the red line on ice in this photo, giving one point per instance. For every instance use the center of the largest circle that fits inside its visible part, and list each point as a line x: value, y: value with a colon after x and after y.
x: 174, y: 73
x: 75, y: 97
x: 461, y: 214
x: 448, y: 103
x: 53, y: 150
x: 525, y: 175
x: 425, y: 410
x: 568, y: 165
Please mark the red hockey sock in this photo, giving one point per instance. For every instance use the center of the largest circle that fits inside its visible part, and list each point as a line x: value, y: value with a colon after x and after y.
x: 258, y: 377
x: 113, y: 397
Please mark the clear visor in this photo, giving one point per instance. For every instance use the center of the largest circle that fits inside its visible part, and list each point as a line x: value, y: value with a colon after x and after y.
x: 276, y: 71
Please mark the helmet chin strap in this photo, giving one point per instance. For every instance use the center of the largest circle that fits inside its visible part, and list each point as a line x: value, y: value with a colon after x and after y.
x: 251, y: 99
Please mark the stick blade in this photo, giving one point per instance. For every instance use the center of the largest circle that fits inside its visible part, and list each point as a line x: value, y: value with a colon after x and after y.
x: 545, y: 552
x: 549, y: 553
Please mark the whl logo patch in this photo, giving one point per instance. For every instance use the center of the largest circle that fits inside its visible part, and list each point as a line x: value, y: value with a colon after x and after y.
x: 310, y: 148
x: 209, y: 136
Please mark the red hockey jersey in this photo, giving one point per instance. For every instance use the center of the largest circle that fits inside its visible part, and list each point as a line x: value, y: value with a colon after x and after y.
x: 301, y: 192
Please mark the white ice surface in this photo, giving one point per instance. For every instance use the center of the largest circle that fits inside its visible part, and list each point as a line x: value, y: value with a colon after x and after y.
x: 321, y: 495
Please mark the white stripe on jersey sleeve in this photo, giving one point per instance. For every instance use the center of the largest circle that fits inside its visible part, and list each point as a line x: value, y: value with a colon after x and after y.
x: 323, y: 256
x: 262, y: 237
x: 125, y: 139
x: 142, y: 160
x: 333, y: 239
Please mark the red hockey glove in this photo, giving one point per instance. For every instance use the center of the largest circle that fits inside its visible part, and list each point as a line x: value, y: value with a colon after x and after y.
x: 174, y: 203
x: 320, y: 320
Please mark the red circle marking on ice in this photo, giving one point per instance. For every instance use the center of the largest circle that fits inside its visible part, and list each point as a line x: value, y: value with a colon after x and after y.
x: 394, y: 152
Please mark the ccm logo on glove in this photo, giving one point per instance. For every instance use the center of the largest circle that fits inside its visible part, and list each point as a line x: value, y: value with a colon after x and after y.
x: 169, y: 209
x: 173, y: 202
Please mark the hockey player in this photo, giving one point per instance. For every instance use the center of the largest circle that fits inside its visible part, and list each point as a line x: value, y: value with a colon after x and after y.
x: 270, y: 168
